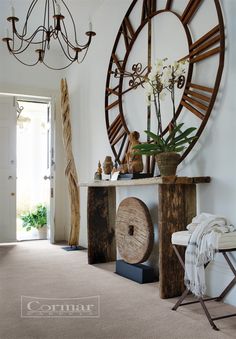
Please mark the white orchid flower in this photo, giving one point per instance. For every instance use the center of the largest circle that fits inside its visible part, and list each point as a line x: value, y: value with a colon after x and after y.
x: 158, y: 66
x: 167, y: 72
x: 167, y: 76
x: 176, y: 64
x: 152, y: 75
x: 158, y: 81
x: 179, y: 72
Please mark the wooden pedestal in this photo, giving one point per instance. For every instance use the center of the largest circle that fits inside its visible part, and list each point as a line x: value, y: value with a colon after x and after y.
x: 101, y: 224
x: 176, y: 208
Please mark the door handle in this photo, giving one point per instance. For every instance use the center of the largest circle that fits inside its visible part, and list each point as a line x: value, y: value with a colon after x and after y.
x: 48, y: 177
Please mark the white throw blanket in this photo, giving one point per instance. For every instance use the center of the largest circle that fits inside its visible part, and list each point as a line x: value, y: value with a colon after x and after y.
x: 206, y: 229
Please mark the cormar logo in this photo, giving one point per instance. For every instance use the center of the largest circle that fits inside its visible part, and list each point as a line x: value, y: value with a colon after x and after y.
x: 85, y: 307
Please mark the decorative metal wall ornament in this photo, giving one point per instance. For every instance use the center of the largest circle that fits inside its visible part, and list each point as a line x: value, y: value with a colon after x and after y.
x: 198, y: 96
x: 53, y: 28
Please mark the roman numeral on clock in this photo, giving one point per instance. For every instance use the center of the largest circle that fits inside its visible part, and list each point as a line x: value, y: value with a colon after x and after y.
x: 197, y: 97
x: 168, y: 4
x: 117, y: 62
x: 117, y: 136
x: 127, y: 31
x: 149, y: 7
x: 204, y: 43
x: 113, y: 91
x: 113, y: 104
x: 201, y: 48
x: 190, y: 10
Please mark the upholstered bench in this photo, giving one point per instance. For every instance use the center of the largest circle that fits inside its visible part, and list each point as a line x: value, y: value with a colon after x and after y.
x: 227, y: 243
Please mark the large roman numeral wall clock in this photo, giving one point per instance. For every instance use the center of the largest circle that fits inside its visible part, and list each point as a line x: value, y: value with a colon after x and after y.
x: 158, y: 29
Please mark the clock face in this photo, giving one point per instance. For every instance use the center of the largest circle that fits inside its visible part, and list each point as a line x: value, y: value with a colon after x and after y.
x: 172, y: 29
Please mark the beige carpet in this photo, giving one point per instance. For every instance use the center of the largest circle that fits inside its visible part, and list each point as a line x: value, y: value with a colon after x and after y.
x: 128, y: 309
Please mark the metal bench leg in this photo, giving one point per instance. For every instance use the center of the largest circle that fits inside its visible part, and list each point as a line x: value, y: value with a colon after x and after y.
x: 201, y: 300
x: 232, y: 283
x: 208, y: 314
x: 179, y: 302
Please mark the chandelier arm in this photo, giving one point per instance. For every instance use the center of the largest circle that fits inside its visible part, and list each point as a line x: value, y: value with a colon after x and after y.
x: 32, y: 5
x: 69, y: 46
x: 68, y: 56
x: 73, y: 22
x: 40, y: 28
x: 85, y: 53
x: 44, y: 22
x: 58, y: 69
x: 44, y: 46
x: 88, y: 42
x: 68, y: 43
x: 28, y: 42
x: 24, y: 63
x: 65, y: 37
x: 24, y: 31
x: 13, y: 43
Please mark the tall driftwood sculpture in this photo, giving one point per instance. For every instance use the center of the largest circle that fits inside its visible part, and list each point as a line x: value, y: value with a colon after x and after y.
x: 70, y: 166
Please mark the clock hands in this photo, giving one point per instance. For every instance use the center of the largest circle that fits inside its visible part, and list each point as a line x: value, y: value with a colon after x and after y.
x: 137, y: 75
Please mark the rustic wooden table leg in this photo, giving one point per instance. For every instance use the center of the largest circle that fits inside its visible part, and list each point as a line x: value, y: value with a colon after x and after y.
x: 177, y: 207
x: 101, y: 224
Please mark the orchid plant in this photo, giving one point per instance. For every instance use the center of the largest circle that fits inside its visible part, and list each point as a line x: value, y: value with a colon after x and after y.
x: 160, y: 82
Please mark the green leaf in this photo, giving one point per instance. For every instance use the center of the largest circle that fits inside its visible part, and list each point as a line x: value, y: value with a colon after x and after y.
x: 155, y: 137
x: 185, y: 141
x: 178, y: 149
x: 173, y: 132
x: 184, y: 134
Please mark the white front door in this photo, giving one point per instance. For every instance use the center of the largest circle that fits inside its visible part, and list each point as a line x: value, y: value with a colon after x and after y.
x: 50, y: 172
x: 7, y: 169
x: 41, y: 169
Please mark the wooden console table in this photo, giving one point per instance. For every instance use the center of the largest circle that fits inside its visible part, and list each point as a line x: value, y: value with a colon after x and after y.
x: 176, y: 208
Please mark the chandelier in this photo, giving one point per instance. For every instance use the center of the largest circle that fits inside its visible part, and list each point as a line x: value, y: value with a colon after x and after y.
x: 52, y: 31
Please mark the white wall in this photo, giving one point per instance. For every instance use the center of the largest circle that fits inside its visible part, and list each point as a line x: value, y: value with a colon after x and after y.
x: 215, y: 157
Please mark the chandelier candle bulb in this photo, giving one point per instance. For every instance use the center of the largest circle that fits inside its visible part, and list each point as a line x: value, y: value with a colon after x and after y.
x: 13, y: 11
x: 90, y: 26
x: 58, y: 9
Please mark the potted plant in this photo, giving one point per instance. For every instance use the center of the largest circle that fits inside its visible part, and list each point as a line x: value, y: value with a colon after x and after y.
x: 36, y: 219
x: 166, y: 147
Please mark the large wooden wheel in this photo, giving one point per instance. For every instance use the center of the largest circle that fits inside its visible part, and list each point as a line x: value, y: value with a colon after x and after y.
x: 134, y: 231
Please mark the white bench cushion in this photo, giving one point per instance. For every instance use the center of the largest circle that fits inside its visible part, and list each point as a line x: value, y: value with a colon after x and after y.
x: 226, y: 240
